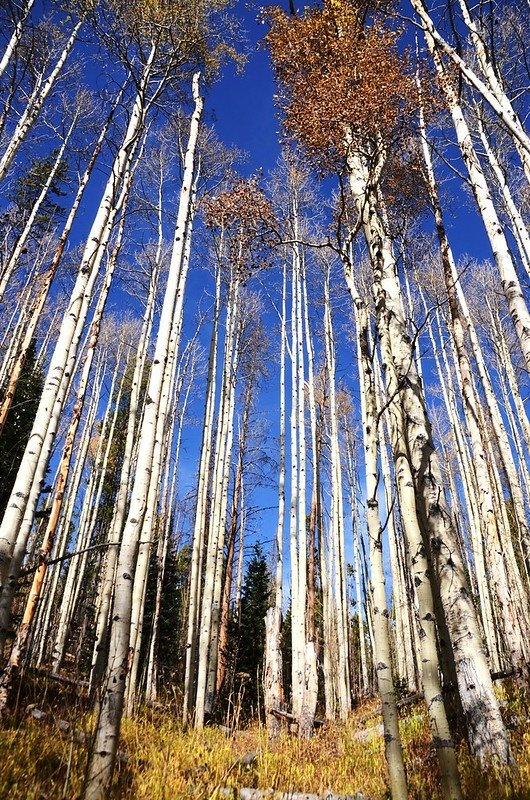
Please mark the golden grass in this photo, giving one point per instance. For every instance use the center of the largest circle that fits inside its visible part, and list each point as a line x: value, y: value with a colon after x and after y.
x: 38, y: 762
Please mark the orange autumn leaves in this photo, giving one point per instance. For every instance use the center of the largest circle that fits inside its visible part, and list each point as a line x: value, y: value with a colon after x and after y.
x: 247, y: 221
x: 339, y: 79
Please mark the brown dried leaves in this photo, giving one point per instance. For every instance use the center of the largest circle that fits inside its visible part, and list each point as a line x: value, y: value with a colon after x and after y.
x: 338, y: 77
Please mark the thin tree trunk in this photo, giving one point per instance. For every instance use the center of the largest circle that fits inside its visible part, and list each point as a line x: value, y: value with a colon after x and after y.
x: 33, y: 108
x: 64, y: 356
x: 15, y: 36
x: 103, y: 755
x: 383, y: 658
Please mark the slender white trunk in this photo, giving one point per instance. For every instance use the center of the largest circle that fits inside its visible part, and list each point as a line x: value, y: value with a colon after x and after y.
x: 423, y: 504
x: 15, y: 36
x: 210, y: 610
x: 105, y: 746
x: 200, y: 524
x: 75, y: 575
x: 337, y: 517
x: 495, y: 85
x: 520, y: 231
x: 500, y: 105
x: 273, y: 668
x: 12, y: 262
x: 33, y: 108
x: 382, y: 654
x: 45, y: 281
x: 65, y: 352
x: 510, y: 281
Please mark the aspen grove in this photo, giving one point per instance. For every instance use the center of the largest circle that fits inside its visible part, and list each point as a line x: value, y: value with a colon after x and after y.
x: 264, y: 423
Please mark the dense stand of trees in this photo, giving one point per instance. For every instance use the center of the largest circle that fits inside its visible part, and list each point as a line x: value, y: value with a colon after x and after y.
x: 264, y: 443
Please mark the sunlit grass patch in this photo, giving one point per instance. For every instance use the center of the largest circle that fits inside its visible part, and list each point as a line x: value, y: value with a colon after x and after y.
x: 159, y: 760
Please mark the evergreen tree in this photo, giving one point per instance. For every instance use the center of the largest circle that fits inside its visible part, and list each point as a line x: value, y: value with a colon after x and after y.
x: 29, y: 186
x: 18, y: 425
x: 255, y: 599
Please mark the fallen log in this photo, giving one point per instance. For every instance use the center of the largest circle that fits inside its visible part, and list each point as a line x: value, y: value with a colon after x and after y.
x: 54, y: 676
x: 271, y: 794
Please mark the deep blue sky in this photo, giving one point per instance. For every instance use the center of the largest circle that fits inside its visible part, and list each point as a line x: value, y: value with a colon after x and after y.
x: 242, y: 104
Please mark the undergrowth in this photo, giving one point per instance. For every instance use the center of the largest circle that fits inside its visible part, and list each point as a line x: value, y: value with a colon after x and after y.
x: 161, y: 761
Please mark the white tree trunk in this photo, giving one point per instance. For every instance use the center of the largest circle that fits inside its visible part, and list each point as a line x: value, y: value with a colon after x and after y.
x: 33, y: 108
x: 104, y: 750
x: 64, y: 356
x: 15, y: 36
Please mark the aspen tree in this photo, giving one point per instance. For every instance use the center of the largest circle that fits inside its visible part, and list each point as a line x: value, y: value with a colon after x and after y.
x: 114, y: 535
x: 76, y: 570
x: 273, y: 667
x: 51, y: 589
x: 363, y: 683
x: 65, y: 351
x: 167, y: 397
x: 14, y: 40
x: 12, y: 262
x: 493, y: 535
x: 519, y: 229
x: 20, y: 645
x: 152, y: 522
x: 86, y: 535
x: 491, y: 91
x: 514, y: 297
x: 200, y: 522
x: 510, y: 282
x: 337, y: 122
x: 486, y: 62
x: 505, y: 359
x: 165, y: 529
x: 338, y: 573
x: 393, y: 751
x: 242, y: 215
x: 33, y: 108
x: 44, y: 281
x: 101, y: 763
x: 223, y: 643
x: 76, y: 416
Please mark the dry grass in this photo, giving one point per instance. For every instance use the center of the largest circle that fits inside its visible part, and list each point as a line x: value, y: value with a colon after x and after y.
x: 38, y: 762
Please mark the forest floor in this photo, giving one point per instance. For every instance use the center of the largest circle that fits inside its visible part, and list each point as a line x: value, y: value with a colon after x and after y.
x: 42, y: 758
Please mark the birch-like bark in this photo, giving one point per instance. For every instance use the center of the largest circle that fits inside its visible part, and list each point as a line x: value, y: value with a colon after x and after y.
x: 418, y: 466
x: 210, y: 610
x: 120, y: 509
x: 16, y: 36
x: 101, y: 764
x: 511, y: 613
x: 495, y: 85
x: 170, y: 392
x: 46, y: 279
x: 50, y: 589
x: 223, y: 645
x: 273, y: 667
x: 500, y: 104
x: 337, y: 517
x: 519, y: 229
x: 382, y: 655
x: 33, y: 108
x: 65, y: 352
x: 200, y: 523
x: 12, y: 262
x: 77, y: 565
x: 297, y: 614
x: 509, y: 279
x: 20, y: 645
